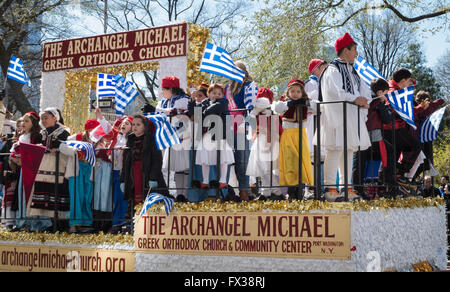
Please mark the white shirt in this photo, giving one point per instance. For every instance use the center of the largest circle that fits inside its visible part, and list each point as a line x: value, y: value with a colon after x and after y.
x: 332, y: 122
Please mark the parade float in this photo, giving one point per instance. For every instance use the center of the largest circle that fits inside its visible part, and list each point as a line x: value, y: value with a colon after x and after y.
x: 382, y: 235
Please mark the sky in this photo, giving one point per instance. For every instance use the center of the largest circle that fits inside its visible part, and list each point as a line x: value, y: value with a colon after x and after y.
x: 434, y: 45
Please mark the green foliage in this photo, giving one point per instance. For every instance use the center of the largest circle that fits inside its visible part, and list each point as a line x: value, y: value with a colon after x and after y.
x: 415, y: 62
x: 441, y: 155
x: 285, y: 37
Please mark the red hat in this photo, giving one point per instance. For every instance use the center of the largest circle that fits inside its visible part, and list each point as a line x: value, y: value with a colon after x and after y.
x: 118, y: 122
x: 265, y: 92
x: 33, y: 114
x: 91, y: 124
x: 170, y: 82
x: 343, y: 41
x: 295, y: 81
x: 314, y: 64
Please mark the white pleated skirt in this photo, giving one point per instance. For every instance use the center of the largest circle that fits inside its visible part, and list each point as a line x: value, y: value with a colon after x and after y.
x: 207, y: 152
x: 179, y: 158
x: 262, y: 155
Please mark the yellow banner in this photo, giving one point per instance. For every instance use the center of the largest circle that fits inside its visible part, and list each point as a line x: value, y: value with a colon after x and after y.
x: 312, y: 236
x: 31, y: 258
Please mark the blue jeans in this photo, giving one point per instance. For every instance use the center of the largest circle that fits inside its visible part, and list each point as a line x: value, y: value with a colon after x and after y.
x: 240, y: 164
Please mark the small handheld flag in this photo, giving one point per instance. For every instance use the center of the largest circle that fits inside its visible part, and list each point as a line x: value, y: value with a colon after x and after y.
x: 217, y: 61
x: 155, y: 198
x: 429, y: 128
x: 125, y: 93
x: 105, y: 85
x: 165, y: 134
x: 17, y: 72
x: 366, y: 71
x: 88, y: 148
x: 402, y: 102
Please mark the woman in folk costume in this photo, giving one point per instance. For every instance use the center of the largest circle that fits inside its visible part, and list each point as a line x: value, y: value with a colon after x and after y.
x: 289, y: 108
x: 44, y: 201
x: 214, y: 140
x: 263, y: 160
x: 241, y: 96
x: 31, y: 135
x: 142, y: 163
x: 340, y: 82
x: 80, y: 181
x: 174, y: 102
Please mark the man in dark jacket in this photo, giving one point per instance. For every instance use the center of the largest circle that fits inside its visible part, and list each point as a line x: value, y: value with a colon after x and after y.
x: 428, y: 190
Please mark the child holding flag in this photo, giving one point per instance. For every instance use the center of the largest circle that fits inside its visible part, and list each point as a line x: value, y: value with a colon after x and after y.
x: 174, y: 102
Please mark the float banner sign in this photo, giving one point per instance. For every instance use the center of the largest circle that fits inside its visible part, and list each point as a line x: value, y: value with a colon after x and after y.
x: 118, y: 48
x: 35, y: 258
x: 311, y: 236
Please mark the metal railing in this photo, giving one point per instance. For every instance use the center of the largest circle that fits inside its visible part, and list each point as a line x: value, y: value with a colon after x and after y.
x: 317, y: 187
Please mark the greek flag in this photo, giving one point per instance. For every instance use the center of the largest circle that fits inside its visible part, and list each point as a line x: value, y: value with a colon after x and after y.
x: 106, y: 85
x: 155, y: 198
x: 17, y: 72
x: 125, y: 93
x: 402, y: 102
x: 366, y: 71
x: 429, y: 128
x: 217, y: 61
x: 88, y: 148
x: 165, y: 134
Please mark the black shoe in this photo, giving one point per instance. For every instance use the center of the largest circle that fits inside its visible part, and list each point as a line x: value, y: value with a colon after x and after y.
x: 195, y: 184
x: 181, y: 199
x: 115, y: 230
x: 260, y: 197
x: 274, y: 197
x: 15, y: 229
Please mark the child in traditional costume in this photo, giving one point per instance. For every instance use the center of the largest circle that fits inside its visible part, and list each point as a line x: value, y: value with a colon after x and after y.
x: 215, y: 140
x: 80, y: 181
x: 291, y: 107
x: 263, y: 160
x: 341, y: 82
x: 174, y: 102
x: 142, y: 163
x: 120, y: 205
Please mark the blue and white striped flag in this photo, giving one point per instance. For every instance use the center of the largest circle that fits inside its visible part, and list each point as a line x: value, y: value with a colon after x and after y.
x: 125, y: 93
x: 88, y: 148
x: 17, y: 72
x: 366, y: 71
x: 106, y: 85
x: 429, y: 128
x: 155, y: 198
x: 165, y: 134
x: 402, y: 102
x: 217, y: 61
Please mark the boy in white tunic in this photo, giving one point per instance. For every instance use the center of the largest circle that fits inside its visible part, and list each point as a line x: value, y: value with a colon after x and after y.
x: 340, y: 82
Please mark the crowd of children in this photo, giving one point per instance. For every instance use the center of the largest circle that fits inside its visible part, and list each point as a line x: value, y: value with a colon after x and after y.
x: 261, y: 142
